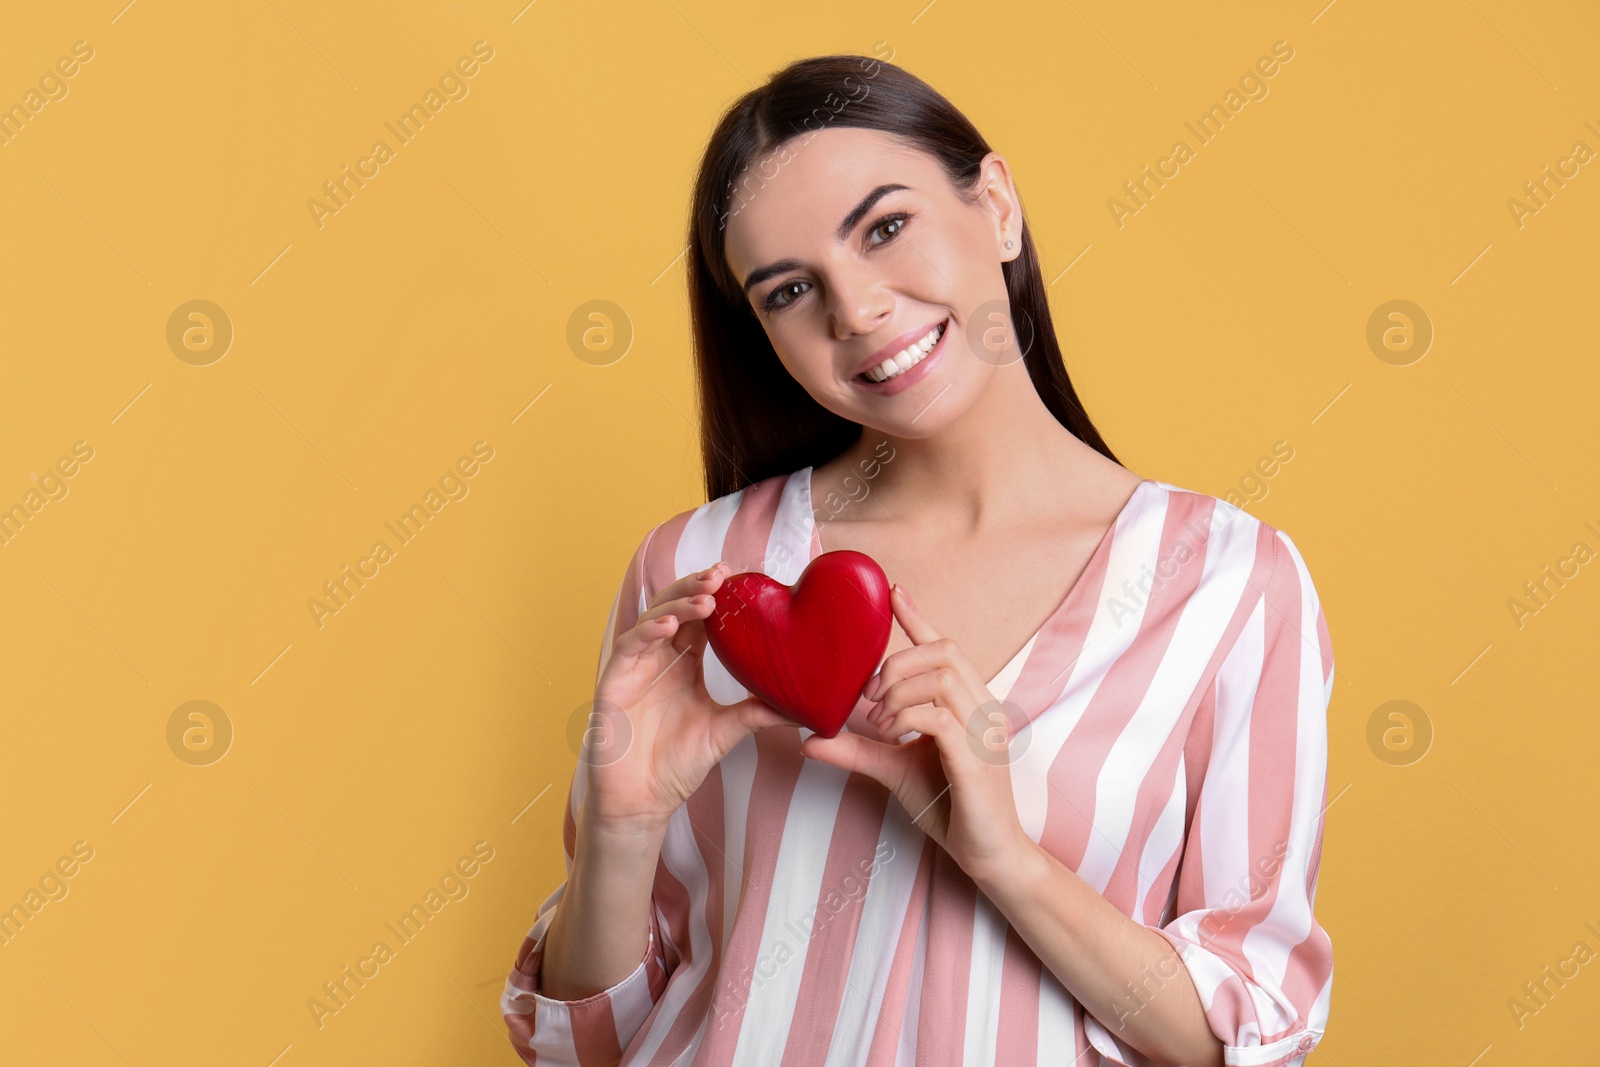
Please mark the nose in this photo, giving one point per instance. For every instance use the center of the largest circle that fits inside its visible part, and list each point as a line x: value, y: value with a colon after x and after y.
x: 861, y: 303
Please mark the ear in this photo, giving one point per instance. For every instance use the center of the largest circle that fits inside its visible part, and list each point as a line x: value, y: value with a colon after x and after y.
x: 998, y: 193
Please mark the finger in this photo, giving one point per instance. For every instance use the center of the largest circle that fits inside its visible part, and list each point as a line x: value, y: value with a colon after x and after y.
x: 909, y: 662
x: 884, y: 763
x: 706, y: 581
x: 930, y: 687
x: 641, y: 637
x: 686, y: 608
x: 930, y: 720
x: 736, y: 721
x: 916, y: 627
x: 665, y: 623
x: 755, y: 714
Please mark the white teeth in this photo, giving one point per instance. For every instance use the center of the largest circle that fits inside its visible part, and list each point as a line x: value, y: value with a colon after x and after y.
x: 907, y: 358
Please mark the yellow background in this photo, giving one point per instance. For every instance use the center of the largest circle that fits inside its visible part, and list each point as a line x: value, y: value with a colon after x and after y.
x: 372, y: 753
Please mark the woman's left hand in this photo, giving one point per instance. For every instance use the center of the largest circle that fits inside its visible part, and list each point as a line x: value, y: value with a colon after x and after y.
x: 955, y: 779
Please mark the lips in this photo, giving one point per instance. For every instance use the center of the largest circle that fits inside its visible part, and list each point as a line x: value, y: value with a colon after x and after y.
x: 900, y: 344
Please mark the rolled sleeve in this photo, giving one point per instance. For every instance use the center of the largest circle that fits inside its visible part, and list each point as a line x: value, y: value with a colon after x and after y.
x: 588, y: 1032
x: 595, y: 1030
x: 1244, y: 926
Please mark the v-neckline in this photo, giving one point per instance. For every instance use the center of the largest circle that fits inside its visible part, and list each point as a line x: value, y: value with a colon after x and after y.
x: 814, y: 549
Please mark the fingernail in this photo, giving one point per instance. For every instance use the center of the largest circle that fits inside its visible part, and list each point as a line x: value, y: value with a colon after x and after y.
x: 703, y: 599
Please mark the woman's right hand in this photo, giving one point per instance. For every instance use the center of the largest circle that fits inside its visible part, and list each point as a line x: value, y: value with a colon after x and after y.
x: 654, y: 732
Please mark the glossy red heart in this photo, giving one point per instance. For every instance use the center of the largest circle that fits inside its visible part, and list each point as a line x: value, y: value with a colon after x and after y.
x: 805, y: 650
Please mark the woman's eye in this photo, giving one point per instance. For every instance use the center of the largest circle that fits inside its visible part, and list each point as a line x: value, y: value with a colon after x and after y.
x: 897, y: 221
x: 774, y: 302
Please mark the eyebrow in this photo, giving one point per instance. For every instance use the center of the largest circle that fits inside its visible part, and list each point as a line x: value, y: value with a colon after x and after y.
x: 761, y: 274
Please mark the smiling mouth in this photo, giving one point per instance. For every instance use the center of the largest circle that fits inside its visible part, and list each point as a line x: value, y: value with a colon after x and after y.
x: 907, y: 358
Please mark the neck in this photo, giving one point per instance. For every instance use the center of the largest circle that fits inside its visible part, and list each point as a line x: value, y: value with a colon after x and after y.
x: 980, y: 472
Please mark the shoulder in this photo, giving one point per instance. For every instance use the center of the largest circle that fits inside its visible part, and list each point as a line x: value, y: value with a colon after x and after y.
x: 1222, y: 527
x: 743, y: 528
x: 1246, y: 562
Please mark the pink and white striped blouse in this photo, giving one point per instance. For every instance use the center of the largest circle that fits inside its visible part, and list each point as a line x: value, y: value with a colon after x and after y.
x: 1176, y: 759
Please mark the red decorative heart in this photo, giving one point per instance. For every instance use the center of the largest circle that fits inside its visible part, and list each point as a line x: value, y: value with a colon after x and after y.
x: 805, y: 650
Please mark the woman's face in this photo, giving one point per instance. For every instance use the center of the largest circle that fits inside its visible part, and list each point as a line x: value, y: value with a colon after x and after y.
x: 844, y: 275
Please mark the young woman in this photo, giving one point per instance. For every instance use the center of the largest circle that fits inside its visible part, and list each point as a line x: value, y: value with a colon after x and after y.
x: 1076, y: 816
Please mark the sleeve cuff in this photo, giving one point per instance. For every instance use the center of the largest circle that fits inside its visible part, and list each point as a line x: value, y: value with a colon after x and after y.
x: 1292, y: 1049
x: 619, y: 992
x: 590, y: 1030
x: 1216, y: 981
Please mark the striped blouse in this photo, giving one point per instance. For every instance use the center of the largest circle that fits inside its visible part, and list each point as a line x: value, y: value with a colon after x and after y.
x: 1176, y: 759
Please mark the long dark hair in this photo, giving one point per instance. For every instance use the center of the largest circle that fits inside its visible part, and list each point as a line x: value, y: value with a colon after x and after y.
x: 756, y: 421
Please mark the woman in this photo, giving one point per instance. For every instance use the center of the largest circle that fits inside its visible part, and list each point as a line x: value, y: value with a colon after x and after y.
x: 1077, y: 813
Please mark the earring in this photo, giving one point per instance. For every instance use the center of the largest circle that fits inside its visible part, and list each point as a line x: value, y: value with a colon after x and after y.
x: 1011, y: 244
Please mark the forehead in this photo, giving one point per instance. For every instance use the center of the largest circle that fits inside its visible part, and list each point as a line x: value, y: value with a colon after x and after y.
x: 792, y: 198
